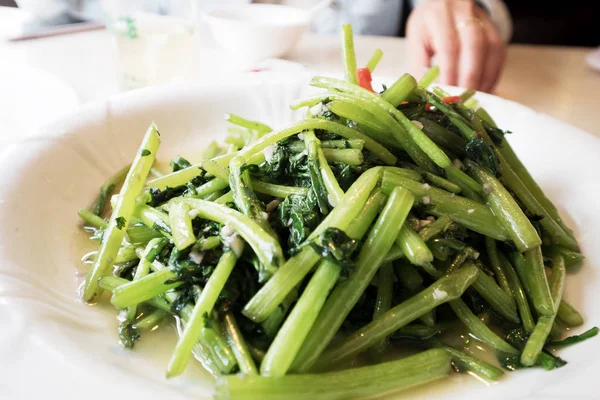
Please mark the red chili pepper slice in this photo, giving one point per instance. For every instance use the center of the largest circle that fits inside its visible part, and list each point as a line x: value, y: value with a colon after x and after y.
x: 451, y: 99
x: 363, y: 75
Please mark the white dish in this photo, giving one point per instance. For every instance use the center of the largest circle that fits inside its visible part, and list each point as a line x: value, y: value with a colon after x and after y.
x: 51, y: 344
x: 30, y: 98
x: 254, y: 32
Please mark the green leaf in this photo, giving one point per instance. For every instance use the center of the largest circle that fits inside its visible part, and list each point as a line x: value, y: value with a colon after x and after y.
x: 179, y: 163
x: 483, y: 154
x: 207, y: 322
x: 127, y: 269
x: 158, y: 197
x: 335, y: 242
x: 496, y: 134
x: 283, y: 167
x: 121, y: 222
x: 146, y: 152
x: 575, y: 338
x: 298, y: 215
x: 185, y: 295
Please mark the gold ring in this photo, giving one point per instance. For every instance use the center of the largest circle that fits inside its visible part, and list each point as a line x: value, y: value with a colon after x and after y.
x: 460, y: 25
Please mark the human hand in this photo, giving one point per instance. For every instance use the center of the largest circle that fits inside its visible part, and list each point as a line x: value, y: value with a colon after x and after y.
x: 464, y: 40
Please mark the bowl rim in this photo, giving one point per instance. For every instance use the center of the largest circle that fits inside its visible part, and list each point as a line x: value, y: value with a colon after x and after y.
x: 217, y: 15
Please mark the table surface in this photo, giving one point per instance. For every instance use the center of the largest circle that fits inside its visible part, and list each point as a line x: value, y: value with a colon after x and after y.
x: 552, y: 80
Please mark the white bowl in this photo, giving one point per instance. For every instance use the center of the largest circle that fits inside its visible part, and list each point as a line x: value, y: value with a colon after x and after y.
x: 56, y: 347
x: 254, y: 32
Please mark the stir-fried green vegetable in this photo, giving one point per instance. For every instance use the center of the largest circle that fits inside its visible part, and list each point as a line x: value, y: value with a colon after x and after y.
x: 399, y: 219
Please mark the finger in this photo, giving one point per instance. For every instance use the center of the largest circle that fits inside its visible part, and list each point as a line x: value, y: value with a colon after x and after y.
x: 418, y: 48
x: 473, y: 46
x: 445, y: 42
x: 420, y: 57
x: 494, y: 63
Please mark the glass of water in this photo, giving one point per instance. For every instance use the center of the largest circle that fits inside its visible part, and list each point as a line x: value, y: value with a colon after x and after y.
x: 156, y: 40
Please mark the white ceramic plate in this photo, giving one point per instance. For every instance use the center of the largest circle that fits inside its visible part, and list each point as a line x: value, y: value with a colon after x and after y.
x: 30, y: 98
x: 51, y: 344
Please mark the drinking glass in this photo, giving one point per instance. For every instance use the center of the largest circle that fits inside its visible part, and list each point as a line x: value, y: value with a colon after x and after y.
x: 156, y: 40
